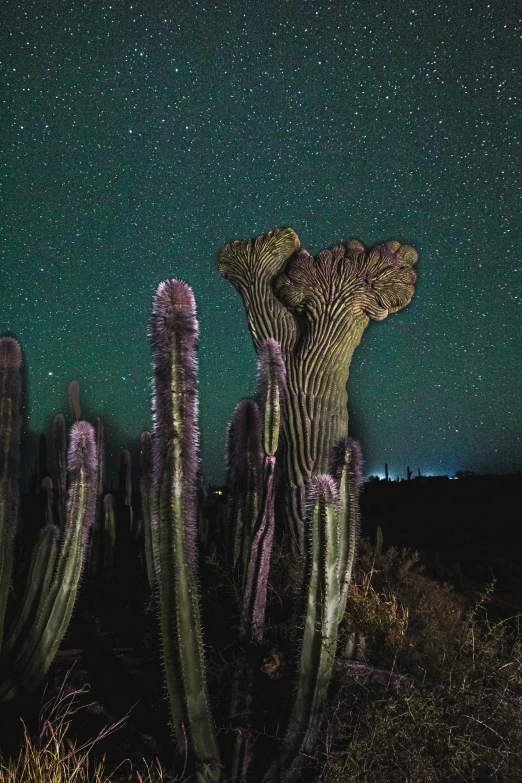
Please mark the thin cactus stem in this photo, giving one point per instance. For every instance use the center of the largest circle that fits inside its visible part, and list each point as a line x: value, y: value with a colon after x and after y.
x: 37, y: 585
x: 271, y: 385
x: 47, y: 488
x: 126, y: 475
x: 254, y: 597
x: 109, y: 537
x: 74, y: 400
x: 150, y: 527
x: 174, y: 333
x: 53, y: 617
x: 346, y: 468
x: 320, y: 629
x: 10, y: 423
x: 244, y: 463
x: 100, y: 465
x: 59, y: 444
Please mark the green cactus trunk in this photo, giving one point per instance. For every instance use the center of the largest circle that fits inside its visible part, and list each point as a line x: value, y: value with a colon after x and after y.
x: 59, y: 445
x: 150, y: 527
x: 320, y: 630
x: 174, y: 337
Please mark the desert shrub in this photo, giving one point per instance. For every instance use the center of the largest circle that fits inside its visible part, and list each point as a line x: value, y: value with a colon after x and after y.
x: 456, y: 716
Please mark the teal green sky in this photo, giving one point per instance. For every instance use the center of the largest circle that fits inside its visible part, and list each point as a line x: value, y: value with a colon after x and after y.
x: 138, y: 138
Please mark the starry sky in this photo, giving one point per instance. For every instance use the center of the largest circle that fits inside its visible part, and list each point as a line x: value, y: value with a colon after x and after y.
x: 138, y: 138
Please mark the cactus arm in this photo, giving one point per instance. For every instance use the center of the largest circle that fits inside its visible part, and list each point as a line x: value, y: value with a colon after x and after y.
x: 174, y: 334
x: 251, y: 267
x: 10, y: 422
x: 254, y: 597
x: 272, y: 378
x: 347, y: 470
x: 244, y: 470
x: 320, y: 629
x: 59, y: 442
x: 109, y: 537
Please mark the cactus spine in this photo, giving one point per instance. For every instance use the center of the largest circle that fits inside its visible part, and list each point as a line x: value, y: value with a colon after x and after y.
x: 174, y: 334
x: 10, y: 422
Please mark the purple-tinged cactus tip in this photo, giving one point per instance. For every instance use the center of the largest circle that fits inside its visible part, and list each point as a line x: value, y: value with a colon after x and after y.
x: 10, y: 352
x: 321, y: 487
x: 175, y: 308
x: 347, y: 451
x: 82, y: 447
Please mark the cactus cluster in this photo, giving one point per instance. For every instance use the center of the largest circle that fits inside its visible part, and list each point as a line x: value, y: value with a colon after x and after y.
x: 56, y: 566
x: 293, y: 481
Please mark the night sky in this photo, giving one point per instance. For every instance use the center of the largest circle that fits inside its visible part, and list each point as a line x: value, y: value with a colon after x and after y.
x: 138, y: 138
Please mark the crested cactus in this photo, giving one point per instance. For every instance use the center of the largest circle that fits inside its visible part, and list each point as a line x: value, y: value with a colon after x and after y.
x: 10, y: 422
x: 317, y: 308
x: 174, y: 334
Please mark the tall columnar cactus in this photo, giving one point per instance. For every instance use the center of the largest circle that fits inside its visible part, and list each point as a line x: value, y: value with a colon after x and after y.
x: 32, y: 647
x: 346, y: 468
x: 47, y: 489
x: 320, y: 627
x: 317, y: 309
x: 109, y: 537
x: 150, y: 527
x: 244, y: 477
x: 126, y: 483
x: 271, y: 390
x: 10, y: 422
x: 174, y: 334
x: 59, y: 444
x: 74, y: 400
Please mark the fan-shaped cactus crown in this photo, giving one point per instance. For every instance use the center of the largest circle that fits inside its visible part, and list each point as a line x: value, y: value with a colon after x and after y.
x: 374, y: 282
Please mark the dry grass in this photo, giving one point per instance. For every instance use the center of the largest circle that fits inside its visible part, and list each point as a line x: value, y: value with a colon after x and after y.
x: 53, y: 757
